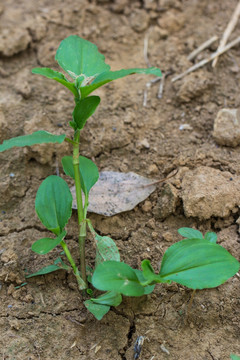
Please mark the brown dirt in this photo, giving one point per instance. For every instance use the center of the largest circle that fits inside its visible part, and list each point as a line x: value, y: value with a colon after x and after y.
x: 46, y: 318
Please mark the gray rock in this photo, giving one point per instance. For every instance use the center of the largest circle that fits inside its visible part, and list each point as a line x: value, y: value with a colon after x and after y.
x: 226, y: 129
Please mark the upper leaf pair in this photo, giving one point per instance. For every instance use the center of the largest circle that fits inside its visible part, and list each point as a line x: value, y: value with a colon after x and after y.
x: 86, y: 66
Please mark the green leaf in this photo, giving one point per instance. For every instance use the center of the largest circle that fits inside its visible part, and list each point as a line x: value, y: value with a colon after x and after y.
x: 67, y: 163
x: 84, y: 109
x: 61, y: 264
x: 46, y: 270
x: 106, y: 249
x: 147, y: 289
x: 19, y: 286
x: 98, y: 310
x: 148, y: 272
x: 108, y: 76
x: 234, y: 357
x: 190, y: 233
x: 45, y: 245
x: 198, y: 264
x: 53, y: 203
x: 117, y: 276
x: 38, y: 137
x: 79, y: 57
x: 57, y: 76
x: 110, y: 298
x: 211, y: 236
x: 88, y: 171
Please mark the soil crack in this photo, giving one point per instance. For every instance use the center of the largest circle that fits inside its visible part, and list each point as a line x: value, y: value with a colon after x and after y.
x: 27, y: 227
x: 33, y: 316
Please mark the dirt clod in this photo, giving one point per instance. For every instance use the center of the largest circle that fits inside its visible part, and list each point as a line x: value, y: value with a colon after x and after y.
x: 13, y: 41
x: 208, y: 192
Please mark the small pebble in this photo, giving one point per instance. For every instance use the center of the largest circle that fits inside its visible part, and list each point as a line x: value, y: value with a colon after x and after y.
x: 153, y: 169
x: 147, y: 206
x: 185, y: 127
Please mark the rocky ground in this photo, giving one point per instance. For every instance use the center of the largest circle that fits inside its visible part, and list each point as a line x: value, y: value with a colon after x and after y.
x: 186, y: 129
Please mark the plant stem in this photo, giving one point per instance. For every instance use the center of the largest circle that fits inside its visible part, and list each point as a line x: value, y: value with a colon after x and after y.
x: 70, y: 141
x: 81, y: 283
x: 81, y: 212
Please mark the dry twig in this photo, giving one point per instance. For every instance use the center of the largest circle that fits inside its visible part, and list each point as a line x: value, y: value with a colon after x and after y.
x: 202, y: 47
x: 160, y: 90
x: 229, y: 29
x: 205, y: 61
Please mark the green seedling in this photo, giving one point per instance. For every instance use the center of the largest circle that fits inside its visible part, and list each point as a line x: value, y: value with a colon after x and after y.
x: 196, y: 262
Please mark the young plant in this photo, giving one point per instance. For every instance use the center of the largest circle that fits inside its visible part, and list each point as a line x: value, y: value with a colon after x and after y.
x: 196, y: 262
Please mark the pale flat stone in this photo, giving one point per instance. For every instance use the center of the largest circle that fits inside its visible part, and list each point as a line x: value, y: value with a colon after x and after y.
x: 226, y: 129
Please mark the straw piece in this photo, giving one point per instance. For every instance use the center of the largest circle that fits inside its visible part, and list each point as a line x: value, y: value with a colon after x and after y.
x: 229, y: 29
x: 205, y: 61
x: 202, y: 47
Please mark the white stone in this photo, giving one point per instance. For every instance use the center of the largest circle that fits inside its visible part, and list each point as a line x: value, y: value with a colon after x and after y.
x: 226, y: 129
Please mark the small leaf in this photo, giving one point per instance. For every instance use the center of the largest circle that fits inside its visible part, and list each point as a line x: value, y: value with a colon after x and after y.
x: 234, y: 357
x: 79, y: 57
x: 198, y: 264
x: 97, y: 310
x: 110, y: 298
x: 45, y: 245
x: 107, y: 76
x: 147, y: 289
x: 18, y: 287
x: 53, y: 203
x: 67, y: 163
x: 84, y: 109
x: 88, y: 171
x: 190, y: 233
x: 106, y: 249
x: 38, y: 137
x: 211, y: 236
x: 61, y: 264
x: 45, y: 270
x: 116, y: 192
x: 117, y: 276
x: 149, y: 273
x: 57, y: 76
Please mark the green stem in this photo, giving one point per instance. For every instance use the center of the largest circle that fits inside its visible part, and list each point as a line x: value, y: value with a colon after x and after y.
x: 70, y: 141
x: 81, y: 283
x: 81, y: 212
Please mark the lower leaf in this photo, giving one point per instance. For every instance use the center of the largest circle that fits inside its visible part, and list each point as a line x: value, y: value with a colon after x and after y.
x: 198, y: 264
x: 58, y: 265
x: 234, y: 357
x: 110, y: 298
x: 106, y: 249
x: 117, y: 276
x: 97, y: 310
x: 45, y: 245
